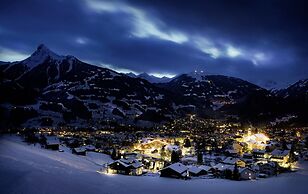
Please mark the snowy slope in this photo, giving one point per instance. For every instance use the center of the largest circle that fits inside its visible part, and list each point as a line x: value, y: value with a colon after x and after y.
x: 29, y: 169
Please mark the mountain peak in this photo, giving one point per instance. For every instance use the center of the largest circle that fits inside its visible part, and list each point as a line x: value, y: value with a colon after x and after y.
x: 42, y: 47
x: 43, y: 50
x: 40, y: 55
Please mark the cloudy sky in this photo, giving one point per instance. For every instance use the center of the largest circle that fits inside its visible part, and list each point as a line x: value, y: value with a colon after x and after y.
x: 261, y: 41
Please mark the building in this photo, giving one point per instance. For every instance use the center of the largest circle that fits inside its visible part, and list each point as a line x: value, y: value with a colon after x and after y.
x: 258, y: 153
x: 176, y: 170
x: 281, y: 157
x: 269, y: 168
x: 197, y: 171
x: 125, y: 167
x: 152, y: 164
x: 208, y: 169
x: 221, y: 169
x: 247, y: 158
x: 79, y: 151
x: 52, y: 143
x: 231, y: 152
x: 246, y: 174
x: 256, y: 141
x: 233, y: 161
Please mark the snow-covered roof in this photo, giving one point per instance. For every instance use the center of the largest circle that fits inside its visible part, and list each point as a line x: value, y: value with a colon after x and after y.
x: 222, y: 167
x: 206, y: 168
x: 231, y: 160
x: 129, y: 162
x: 80, y: 149
x: 280, y: 153
x: 241, y: 170
x: 194, y: 169
x: 52, y: 140
x: 257, y: 139
x: 258, y: 151
x: 178, y: 167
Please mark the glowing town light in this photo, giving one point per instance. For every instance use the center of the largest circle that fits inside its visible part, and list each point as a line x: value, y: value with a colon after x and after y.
x: 256, y: 141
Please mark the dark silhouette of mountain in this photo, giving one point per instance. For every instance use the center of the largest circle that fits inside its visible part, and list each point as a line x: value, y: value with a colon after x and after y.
x: 66, y: 91
x: 150, y: 78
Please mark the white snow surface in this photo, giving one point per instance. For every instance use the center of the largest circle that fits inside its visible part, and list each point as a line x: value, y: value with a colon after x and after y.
x: 30, y: 169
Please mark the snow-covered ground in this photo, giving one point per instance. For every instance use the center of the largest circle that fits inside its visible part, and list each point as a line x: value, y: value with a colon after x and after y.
x: 30, y: 169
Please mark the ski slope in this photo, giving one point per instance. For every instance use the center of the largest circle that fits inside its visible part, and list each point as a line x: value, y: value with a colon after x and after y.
x: 28, y: 169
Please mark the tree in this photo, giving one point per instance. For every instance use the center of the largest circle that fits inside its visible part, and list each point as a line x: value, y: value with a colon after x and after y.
x: 228, y: 174
x: 284, y: 145
x: 293, y: 157
x: 115, y: 154
x: 163, y: 153
x: 175, y: 157
x: 199, y: 157
x: 187, y: 143
x: 236, y: 174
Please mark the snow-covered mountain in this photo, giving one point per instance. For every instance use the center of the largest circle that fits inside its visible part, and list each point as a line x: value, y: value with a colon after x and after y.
x: 212, y: 90
x: 296, y: 90
x: 50, y: 89
x: 69, y: 90
x: 150, y: 78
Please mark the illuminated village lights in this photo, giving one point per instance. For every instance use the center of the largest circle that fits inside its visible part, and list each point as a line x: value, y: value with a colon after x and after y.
x: 255, y: 141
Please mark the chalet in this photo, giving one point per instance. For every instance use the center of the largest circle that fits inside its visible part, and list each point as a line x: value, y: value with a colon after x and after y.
x: 196, y: 171
x: 247, y: 158
x: 52, y: 143
x: 207, y: 159
x: 176, y: 170
x: 257, y: 153
x: 125, y: 167
x: 280, y: 156
x: 208, y: 169
x: 231, y: 152
x: 152, y: 164
x: 132, y: 155
x: 233, y: 161
x: 247, y: 174
x: 269, y: 168
x: 79, y: 151
x: 221, y: 168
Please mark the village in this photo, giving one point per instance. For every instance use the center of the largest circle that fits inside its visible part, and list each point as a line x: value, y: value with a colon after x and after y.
x: 219, y: 150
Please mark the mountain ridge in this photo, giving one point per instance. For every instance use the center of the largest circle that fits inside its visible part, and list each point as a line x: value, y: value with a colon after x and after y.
x: 70, y: 92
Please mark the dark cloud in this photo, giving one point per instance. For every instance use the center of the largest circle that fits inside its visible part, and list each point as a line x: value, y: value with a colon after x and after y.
x: 254, y: 40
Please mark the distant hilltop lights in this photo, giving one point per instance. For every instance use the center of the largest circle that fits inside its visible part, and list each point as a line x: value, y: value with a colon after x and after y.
x: 199, y: 72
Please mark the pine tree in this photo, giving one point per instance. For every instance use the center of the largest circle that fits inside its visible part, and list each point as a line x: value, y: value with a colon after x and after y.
x: 199, y: 157
x: 187, y: 143
x: 236, y: 174
x: 175, y: 157
x: 293, y: 149
x: 114, y: 154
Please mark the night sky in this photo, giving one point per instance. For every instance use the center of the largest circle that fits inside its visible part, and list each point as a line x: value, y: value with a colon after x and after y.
x: 261, y: 41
